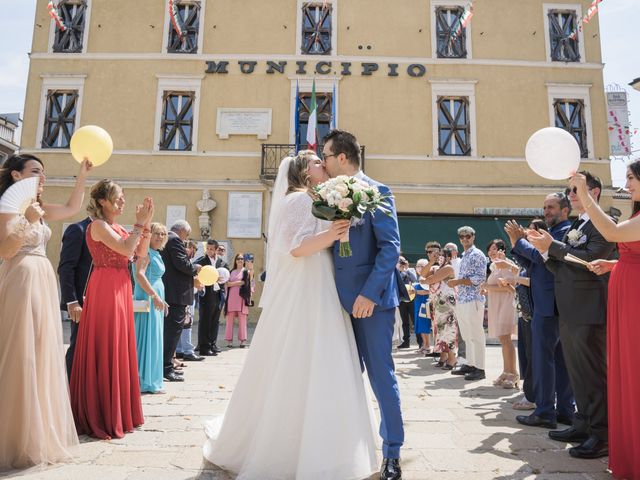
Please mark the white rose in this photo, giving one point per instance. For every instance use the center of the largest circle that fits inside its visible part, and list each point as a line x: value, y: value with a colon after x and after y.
x: 333, y: 198
x: 342, y: 189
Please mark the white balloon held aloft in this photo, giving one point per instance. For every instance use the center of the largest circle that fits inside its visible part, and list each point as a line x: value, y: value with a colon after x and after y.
x: 553, y: 153
x: 91, y: 142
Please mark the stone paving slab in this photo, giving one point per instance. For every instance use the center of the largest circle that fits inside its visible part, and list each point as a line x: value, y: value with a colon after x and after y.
x: 455, y: 430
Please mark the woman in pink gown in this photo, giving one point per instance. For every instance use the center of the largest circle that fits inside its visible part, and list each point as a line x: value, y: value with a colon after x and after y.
x: 623, y: 326
x: 36, y: 424
x: 105, y: 389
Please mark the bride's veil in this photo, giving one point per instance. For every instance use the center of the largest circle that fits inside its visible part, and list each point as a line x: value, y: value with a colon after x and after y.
x: 277, y: 199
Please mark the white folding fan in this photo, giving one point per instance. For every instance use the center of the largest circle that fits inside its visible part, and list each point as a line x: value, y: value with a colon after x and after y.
x: 19, y: 196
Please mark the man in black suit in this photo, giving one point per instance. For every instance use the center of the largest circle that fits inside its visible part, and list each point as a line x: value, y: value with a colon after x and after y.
x: 73, y: 270
x: 209, y: 319
x: 581, y: 298
x: 178, y: 285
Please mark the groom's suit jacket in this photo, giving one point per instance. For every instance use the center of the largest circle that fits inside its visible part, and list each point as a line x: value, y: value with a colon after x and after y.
x: 581, y: 296
x: 371, y: 270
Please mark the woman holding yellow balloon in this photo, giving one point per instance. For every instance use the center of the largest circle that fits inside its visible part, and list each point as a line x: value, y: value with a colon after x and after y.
x: 105, y: 389
x: 35, y: 417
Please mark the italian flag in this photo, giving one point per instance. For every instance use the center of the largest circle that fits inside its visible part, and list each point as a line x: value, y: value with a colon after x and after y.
x: 312, y: 142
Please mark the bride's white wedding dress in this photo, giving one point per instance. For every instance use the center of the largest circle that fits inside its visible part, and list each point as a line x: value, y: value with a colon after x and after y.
x: 299, y: 409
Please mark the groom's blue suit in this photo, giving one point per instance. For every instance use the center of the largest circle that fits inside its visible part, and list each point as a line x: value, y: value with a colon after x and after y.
x: 370, y: 272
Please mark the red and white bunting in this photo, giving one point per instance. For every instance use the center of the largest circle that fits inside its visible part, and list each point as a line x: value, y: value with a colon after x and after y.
x: 173, y: 15
x: 464, y: 21
x: 53, y: 13
x: 591, y: 12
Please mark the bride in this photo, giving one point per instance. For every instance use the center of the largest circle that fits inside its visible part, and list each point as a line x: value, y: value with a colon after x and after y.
x: 299, y: 409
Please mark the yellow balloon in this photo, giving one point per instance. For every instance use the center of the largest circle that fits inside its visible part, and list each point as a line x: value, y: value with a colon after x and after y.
x: 411, y: 291
x: 91, y: 142
x: 208, y: 275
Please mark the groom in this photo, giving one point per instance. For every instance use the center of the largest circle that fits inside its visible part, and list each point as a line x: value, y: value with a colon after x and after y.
x: 368, y: 291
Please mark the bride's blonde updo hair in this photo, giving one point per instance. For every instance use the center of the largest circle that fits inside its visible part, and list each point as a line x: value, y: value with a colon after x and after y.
x: 298, y: 175
x: 103, y: 190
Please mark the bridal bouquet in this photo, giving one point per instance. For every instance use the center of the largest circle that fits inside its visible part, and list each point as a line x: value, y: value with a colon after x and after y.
x: 347, y: 198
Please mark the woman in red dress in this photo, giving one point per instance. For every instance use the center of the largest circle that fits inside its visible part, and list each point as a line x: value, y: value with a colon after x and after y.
x: 623, y: 326
x: 105, y: 390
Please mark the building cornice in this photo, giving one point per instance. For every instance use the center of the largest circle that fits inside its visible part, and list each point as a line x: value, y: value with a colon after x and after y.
x: 256, y: 185
x: 257, y: 154
x: 313, y: 58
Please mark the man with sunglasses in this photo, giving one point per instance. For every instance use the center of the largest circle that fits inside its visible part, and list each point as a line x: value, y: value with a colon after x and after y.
x: 581, y: 298
x: 470, y: 305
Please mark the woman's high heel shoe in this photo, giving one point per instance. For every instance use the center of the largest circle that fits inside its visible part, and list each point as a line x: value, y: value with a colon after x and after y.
x: 511, y: 381
x: 498, y: 381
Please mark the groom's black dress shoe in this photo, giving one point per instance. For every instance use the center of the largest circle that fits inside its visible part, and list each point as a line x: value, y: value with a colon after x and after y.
x: 568, y: 435
x: 404, y: 345
x: 534, y: 420
x: 391, y: 469
x: 592, y: 447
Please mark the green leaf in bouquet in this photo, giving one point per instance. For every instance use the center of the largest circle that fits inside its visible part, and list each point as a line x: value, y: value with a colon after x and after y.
x: 357, y: 197
x: 324, y: 212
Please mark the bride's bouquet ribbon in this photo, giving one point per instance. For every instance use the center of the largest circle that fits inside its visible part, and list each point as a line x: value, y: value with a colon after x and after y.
x: 347, y: 198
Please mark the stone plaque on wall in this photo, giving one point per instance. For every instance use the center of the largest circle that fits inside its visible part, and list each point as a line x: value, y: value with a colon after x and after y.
x: 244, y: 121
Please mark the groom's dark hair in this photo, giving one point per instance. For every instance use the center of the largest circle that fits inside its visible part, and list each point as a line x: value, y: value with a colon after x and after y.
x: 344, y: 142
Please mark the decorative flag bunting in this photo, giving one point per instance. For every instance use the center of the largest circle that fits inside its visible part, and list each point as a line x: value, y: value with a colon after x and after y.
x: 312, y: 142
x: 53, y: 13
x: 463, y: 21
x: 296, y: 119
x: 591, y: 12
x: 174, y: 16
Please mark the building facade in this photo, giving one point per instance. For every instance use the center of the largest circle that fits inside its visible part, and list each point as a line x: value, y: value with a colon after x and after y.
x: 205, y: 97
x: 9, y: 123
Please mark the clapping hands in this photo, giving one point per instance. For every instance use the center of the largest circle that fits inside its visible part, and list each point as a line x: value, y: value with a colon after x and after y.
x: 144, y: 212
x: 514, y: 231
x: 540, y: 239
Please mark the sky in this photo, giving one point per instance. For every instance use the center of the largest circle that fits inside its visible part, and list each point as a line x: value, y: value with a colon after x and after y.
x: 619, y: 32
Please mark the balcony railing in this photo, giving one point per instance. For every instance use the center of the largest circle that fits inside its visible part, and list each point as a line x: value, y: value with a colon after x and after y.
x: 6, y: 133
x: 273, y: 153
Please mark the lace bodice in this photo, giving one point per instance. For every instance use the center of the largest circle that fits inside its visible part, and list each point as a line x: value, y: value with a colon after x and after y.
x: 102, y: 255
x: 35, y: 240
x: 296, y: 222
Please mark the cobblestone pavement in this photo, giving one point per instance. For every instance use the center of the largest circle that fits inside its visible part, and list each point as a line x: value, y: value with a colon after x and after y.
x: 454, y: 430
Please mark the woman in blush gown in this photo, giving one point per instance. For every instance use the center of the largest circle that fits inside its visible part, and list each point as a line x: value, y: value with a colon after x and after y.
x: 36, y: 424
x: 299, y: 409
x: 105, y: 390
x: 623, y: 325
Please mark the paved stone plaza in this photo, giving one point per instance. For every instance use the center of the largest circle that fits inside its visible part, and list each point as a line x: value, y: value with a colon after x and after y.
x: 454, y: 430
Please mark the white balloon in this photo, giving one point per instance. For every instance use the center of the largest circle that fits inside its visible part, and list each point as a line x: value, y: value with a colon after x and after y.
x: 553, y: 153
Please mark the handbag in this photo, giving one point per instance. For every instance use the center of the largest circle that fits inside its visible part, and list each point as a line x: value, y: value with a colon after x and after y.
x: 141, y: 306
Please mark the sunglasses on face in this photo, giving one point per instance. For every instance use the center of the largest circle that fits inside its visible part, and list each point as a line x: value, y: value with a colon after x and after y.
x: 464, y: 237
x: 429, y: 252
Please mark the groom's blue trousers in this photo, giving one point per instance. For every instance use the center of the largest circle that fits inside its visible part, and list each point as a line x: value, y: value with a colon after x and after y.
x: 374, y: 339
